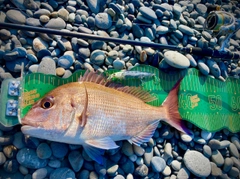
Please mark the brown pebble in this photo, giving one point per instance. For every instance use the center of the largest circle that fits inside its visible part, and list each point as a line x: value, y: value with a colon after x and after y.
x: 60, y: 71
x: 143, y: 56
x: 44, y: 18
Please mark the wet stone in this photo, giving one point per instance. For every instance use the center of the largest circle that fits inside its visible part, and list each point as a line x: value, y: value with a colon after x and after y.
x: 118, y: 64
x: 54, y: 163
x: 84, y: 52
x: 16, y: 65
x: 44, y: 151
x: 76, y: 160
x: 18, y: 140
x: 59, y: 149
x: 158, y: 164
x: 65, y: 61
x: 2, y: 158
x: 28, y: 158
x: 23, y: 170
x: 40, y: 173
x: 62, y: 173
x: 84, y: 174
x: 10, y: 151
x: 97, y: 57
x: 42, y: 53
x: 11, y: 166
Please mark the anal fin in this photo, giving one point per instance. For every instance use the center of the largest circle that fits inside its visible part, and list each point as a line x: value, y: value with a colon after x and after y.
x: 145, y: 135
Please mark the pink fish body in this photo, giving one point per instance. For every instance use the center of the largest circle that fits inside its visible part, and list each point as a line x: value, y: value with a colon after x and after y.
x: 95, y: 113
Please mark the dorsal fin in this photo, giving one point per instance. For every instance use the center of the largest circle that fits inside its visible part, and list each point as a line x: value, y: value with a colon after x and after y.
x: 94, y: 77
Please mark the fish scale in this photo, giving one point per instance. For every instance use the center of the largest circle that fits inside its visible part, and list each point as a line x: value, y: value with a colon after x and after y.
x: 112, y: 109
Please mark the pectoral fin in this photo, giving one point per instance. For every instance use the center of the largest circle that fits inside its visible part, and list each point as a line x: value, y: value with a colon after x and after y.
x: 95, y: 148
x: 104, y: 143
x: 94, y: 153
x: 145, y: 135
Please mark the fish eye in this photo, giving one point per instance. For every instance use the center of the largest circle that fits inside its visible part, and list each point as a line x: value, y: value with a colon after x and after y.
x: 47, y: 103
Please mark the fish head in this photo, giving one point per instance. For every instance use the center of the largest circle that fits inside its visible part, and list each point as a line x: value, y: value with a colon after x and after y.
x: 50, y: 117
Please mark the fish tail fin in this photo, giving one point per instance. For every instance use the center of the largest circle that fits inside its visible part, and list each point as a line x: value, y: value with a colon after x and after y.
x: 171, y: 107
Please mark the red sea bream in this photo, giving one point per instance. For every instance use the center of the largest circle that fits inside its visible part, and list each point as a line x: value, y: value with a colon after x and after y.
x: 95, y: 113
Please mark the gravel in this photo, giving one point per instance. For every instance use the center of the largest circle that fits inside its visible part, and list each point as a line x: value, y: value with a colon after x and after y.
x: 168, y: 154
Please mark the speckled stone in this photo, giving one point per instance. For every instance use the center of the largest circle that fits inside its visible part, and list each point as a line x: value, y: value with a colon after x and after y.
x: 47, y: 66
x: 197, y: 163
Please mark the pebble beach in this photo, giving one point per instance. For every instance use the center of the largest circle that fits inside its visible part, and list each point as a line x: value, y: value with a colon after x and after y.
x: 169, y: 154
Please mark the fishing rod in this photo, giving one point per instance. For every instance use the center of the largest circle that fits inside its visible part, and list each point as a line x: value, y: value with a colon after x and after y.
x: 192, y: 50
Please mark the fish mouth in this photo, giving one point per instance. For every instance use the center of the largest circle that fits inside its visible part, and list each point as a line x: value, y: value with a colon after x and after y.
x: 41, y: 133
x: 29, y: 130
